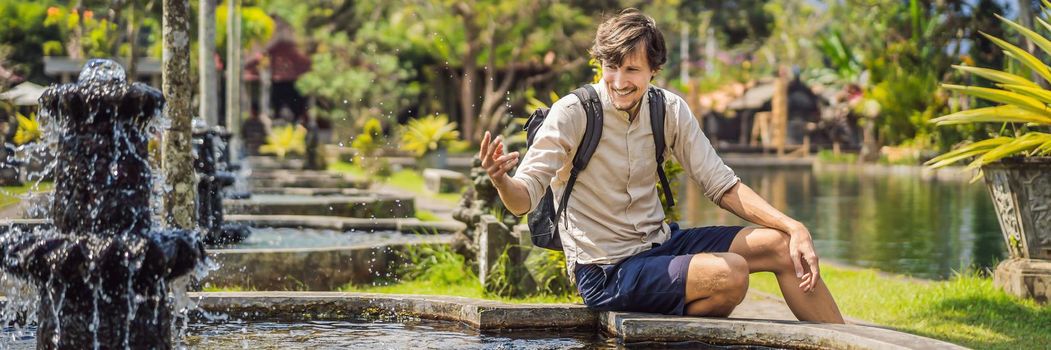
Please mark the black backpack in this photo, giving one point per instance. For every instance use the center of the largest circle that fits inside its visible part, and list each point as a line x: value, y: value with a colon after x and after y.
x: 543, y: 221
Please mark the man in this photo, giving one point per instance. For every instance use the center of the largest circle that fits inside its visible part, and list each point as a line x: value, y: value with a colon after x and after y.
x: 618, y: 248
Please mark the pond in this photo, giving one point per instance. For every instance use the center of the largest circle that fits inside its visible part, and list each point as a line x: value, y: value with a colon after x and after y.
x: 891, y: 221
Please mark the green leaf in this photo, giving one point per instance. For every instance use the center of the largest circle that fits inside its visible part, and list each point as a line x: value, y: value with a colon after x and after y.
x: 1019, y: 145
x: 1030, y: 90
x: 995, y: 75
x: 1045, y: 149
x: 970, y: 150
x: 1037, y: 39
x: 1045, y: 24
x: 1022, y: 56
x: 1002, y: 96
x: 953, y: 157
x: 999, y: 114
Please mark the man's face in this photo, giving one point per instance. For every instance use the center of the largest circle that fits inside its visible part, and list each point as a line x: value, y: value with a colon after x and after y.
x: 627, y: 82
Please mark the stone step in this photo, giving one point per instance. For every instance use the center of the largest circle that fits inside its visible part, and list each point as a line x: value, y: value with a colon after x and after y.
x: 343, y: 206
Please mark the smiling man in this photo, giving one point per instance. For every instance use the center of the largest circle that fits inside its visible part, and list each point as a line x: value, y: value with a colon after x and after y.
x: 621, y: 253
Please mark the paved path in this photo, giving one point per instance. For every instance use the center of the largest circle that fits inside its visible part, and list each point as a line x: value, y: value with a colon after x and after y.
x: 766, y: 306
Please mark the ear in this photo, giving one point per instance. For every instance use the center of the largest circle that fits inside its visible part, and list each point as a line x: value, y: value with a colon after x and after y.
x: 653, y: 73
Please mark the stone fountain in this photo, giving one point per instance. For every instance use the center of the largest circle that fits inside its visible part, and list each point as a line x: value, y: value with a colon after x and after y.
x: 103, y: 271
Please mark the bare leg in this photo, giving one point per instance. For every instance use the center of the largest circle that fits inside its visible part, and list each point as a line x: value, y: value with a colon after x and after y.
x: 766, y: 250
x: 715, y: 284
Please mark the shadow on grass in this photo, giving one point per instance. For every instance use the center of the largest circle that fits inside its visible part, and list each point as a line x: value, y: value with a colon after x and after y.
x: 986, y: 322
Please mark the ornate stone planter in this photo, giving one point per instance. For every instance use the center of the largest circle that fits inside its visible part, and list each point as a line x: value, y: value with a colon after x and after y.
x: 1021, y: 191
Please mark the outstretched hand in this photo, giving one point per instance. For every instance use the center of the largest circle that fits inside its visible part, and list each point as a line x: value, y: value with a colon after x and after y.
x: 801, y: 249
x: 495, y: 162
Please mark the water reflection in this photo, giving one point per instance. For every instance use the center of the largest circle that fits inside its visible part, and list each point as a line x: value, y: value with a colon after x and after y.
x: 895, y: 223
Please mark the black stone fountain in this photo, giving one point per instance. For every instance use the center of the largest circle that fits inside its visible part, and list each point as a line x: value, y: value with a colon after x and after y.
x: 103, y: 270
x: 211, y: 165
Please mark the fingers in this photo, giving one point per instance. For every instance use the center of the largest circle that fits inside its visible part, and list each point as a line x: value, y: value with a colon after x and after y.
x: 483, y: 153
x: 814, y: 271
x: 796, y: 261
x: 509, y: 162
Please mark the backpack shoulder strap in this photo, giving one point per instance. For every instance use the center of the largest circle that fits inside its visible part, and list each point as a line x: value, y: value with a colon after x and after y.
x: 657, y: 110
x: 589, y: 100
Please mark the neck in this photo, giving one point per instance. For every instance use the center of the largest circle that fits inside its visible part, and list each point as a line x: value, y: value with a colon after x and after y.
x: 634, y: 111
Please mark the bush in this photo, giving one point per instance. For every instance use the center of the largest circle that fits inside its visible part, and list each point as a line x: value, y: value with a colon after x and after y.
x: 437, y: 263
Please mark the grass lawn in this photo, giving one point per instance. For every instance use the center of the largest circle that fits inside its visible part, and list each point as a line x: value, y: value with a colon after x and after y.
x: 966, y: 310
x: 468, y: 289
x: 406, y: 179
x: 10, y: 194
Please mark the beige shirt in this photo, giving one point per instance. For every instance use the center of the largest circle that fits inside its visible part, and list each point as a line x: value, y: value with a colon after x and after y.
x: 614, y: 211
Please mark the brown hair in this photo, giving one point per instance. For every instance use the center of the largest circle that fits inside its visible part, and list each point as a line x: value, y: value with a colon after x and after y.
x: 618, y: 36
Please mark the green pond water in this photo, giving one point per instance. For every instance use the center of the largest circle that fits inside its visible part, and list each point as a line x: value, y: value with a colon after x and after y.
x: 894, y: 221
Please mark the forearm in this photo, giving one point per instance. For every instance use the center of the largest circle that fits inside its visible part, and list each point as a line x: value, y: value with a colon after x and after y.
x: 745, y: 203
x: 513, y: 193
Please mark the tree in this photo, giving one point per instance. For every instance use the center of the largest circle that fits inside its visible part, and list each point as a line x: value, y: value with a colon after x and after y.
x: 22, y: 28
x: 512, y: 41
x: 179, y: 204
x: 361, y: 76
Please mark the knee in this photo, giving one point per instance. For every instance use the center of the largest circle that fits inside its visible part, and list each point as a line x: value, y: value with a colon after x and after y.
x: 775, y: 254
x: 735, y: 285
x: 727, y: 279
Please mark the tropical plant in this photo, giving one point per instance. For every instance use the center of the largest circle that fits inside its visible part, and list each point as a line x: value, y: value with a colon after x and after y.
x: 1023, y: 105
x: 28, y: 129
x: 427, y: 134
x: 285, y: 140
x: 367, y: 146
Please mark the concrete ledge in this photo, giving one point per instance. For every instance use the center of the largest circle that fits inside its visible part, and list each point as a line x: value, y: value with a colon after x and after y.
x: 347, y: 224
x: 22, y: 224
x: 492, y: 315
x: 478, y: 314
x: 319, y: 269
x: 370, y: 206
x: 741, y: 161
x: 636, y: 327
x: 305, y: 178
x: 948, y: 174
x: 311, y: 191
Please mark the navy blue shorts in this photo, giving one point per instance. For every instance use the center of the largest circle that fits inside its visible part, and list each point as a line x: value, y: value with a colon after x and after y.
x: 655, y: 280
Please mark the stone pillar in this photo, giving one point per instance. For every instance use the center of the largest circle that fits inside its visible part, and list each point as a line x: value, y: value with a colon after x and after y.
x: 233, y: 77
x: 209, y: 109
x: 493, y: 238
x: 177, y: 160
x: 779, y: 111
x: 1021, y: 193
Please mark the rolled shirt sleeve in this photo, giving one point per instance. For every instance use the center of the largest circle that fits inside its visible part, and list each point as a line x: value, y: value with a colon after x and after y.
x: 695, y: 152
x: 554, y: 144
